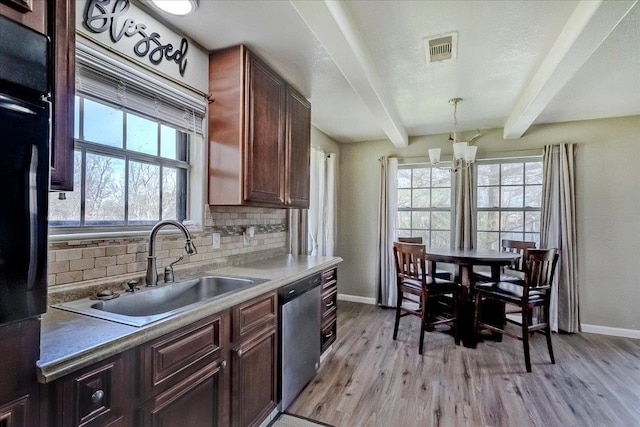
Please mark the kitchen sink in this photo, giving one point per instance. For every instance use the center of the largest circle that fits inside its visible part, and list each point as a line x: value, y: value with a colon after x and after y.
x: 152, y: 304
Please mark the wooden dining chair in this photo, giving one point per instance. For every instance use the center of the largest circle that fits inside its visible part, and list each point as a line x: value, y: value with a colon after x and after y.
x: 410, y: 240
x: 415, y: 287
x: 515, y: 272
x: 535, y: 294
x: 440, y: 273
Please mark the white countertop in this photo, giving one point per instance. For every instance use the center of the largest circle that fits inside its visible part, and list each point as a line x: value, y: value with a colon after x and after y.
x: 72, y: 341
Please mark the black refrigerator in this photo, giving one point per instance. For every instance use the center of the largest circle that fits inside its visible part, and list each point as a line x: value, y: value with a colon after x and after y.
x: 24, y: 171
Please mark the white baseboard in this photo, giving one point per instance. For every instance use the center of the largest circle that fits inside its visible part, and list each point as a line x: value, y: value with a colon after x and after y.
x: 355, y: 298
x: 616, y: 332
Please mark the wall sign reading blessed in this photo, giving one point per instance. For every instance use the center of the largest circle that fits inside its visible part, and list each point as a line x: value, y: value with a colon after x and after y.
x: 108, y: 15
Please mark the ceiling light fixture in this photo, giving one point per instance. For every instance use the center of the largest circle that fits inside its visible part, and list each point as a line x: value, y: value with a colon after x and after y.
x: 464, y: 154
x: 176, y: 7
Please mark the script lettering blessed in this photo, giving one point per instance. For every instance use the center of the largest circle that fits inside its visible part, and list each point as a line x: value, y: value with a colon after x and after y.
x: 108, y: 15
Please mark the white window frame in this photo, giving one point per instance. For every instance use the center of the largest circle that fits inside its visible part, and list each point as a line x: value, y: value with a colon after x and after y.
x: 401, y: 232
x: 502, y: 233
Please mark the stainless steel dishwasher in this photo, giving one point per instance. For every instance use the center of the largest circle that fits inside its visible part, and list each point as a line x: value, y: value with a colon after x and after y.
x: 299, y: 336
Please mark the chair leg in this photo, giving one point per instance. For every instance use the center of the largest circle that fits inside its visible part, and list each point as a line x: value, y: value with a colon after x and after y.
x: 477, y: 302
x: 398, y: 304
x: 423, y: 322
x: 456, y: 321
x: 525, y: 338
x: 547, y: 333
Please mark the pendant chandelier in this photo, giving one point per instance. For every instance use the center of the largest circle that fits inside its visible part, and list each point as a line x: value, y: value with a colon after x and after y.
x: 464, y: 154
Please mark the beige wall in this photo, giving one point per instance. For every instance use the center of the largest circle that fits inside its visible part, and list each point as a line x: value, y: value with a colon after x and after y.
x: 608, y: 209
x: 321, y: 140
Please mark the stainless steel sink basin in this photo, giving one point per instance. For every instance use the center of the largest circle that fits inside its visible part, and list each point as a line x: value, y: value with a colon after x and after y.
x: 151, y: 304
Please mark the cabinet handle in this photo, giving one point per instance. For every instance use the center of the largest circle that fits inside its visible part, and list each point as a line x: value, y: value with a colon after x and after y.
x: 223, y: 364
x: 329, y: 335
x: 239, y: 352
x: 329, y: 304
x: 97, y: 396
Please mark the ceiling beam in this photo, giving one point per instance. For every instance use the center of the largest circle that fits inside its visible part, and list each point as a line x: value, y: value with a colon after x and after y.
x: 333, y: 26
x: 588, y: 26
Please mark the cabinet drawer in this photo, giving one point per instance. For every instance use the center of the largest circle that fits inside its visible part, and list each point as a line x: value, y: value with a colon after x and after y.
x: 191, y: 402
x: 328, y: 334
x: 95, y: 396
x: 329, y: 303
x: 170, y: 358
x: 254, y: 315
x: 329, y: 279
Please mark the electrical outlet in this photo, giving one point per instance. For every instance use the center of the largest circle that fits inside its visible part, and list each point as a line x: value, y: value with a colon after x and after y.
x: 216, y: 240
x: 247, y: 235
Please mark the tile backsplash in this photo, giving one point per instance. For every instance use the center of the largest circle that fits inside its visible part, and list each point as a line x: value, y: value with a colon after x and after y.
x: 78, y: 268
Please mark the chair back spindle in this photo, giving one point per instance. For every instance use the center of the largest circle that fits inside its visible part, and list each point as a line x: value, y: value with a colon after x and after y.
x: 517, y: 247
x: 540, y: 268
x: 409, y: 258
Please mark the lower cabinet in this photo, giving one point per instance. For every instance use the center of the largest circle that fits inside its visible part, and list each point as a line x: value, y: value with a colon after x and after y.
x: 94, y: 396
x: 253, y: 361
x: 328, y: 308
x: 181, y: 375
x: 193, y: 401
x: 219, y: 371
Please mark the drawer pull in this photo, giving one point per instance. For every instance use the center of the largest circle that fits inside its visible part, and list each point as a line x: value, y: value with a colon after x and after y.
x: 239, y: 352
x: 223, y: 364
x: 329, y: 304
x: 329, y: 335
x: 97, y: 396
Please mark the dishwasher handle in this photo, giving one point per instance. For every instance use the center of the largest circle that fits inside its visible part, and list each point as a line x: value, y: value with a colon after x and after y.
x: 294, y: 290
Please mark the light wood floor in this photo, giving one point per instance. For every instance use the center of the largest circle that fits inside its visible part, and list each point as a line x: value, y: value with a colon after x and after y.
x: 371, y: 380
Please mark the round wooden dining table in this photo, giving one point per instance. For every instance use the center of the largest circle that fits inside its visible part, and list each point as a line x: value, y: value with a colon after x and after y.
x: 465, y: 260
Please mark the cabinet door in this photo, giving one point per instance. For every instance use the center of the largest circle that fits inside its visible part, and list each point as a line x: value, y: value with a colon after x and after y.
x: 33, y: 15
x: 193, y: 402
x: 15, y: 414
x: 253, y: 383
x: 95, y: 396
x: 264, y: 130
x: 19, y: 352
x: 62, y: 33
x: 298, y: 148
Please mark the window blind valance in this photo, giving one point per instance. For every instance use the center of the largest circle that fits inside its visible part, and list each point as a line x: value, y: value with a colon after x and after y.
x: 110, y: 79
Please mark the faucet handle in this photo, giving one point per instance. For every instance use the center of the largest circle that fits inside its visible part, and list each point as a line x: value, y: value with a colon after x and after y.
x: 168, y: 274
x: 168, y: 271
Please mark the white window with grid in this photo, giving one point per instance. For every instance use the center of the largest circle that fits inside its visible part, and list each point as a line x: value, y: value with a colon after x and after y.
x: 424, y: 204
x: 508, y: 201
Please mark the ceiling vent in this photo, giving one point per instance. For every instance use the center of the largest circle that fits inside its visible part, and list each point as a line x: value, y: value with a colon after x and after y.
x: 442, y: 47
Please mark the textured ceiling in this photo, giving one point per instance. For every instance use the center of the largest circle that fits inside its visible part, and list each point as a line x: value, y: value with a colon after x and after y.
x: 362, y: 63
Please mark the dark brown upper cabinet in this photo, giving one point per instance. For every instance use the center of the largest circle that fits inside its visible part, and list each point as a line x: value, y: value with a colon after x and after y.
x: 62, y: 33
x: 298, y: 149
x: 31, y: 14
x: 259, y: 134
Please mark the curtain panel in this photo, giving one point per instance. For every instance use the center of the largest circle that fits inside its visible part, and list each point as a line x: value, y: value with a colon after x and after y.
x: 558, y: 230
x: 321, y: 217
x: 465, y: 218
x: 387, y: 216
